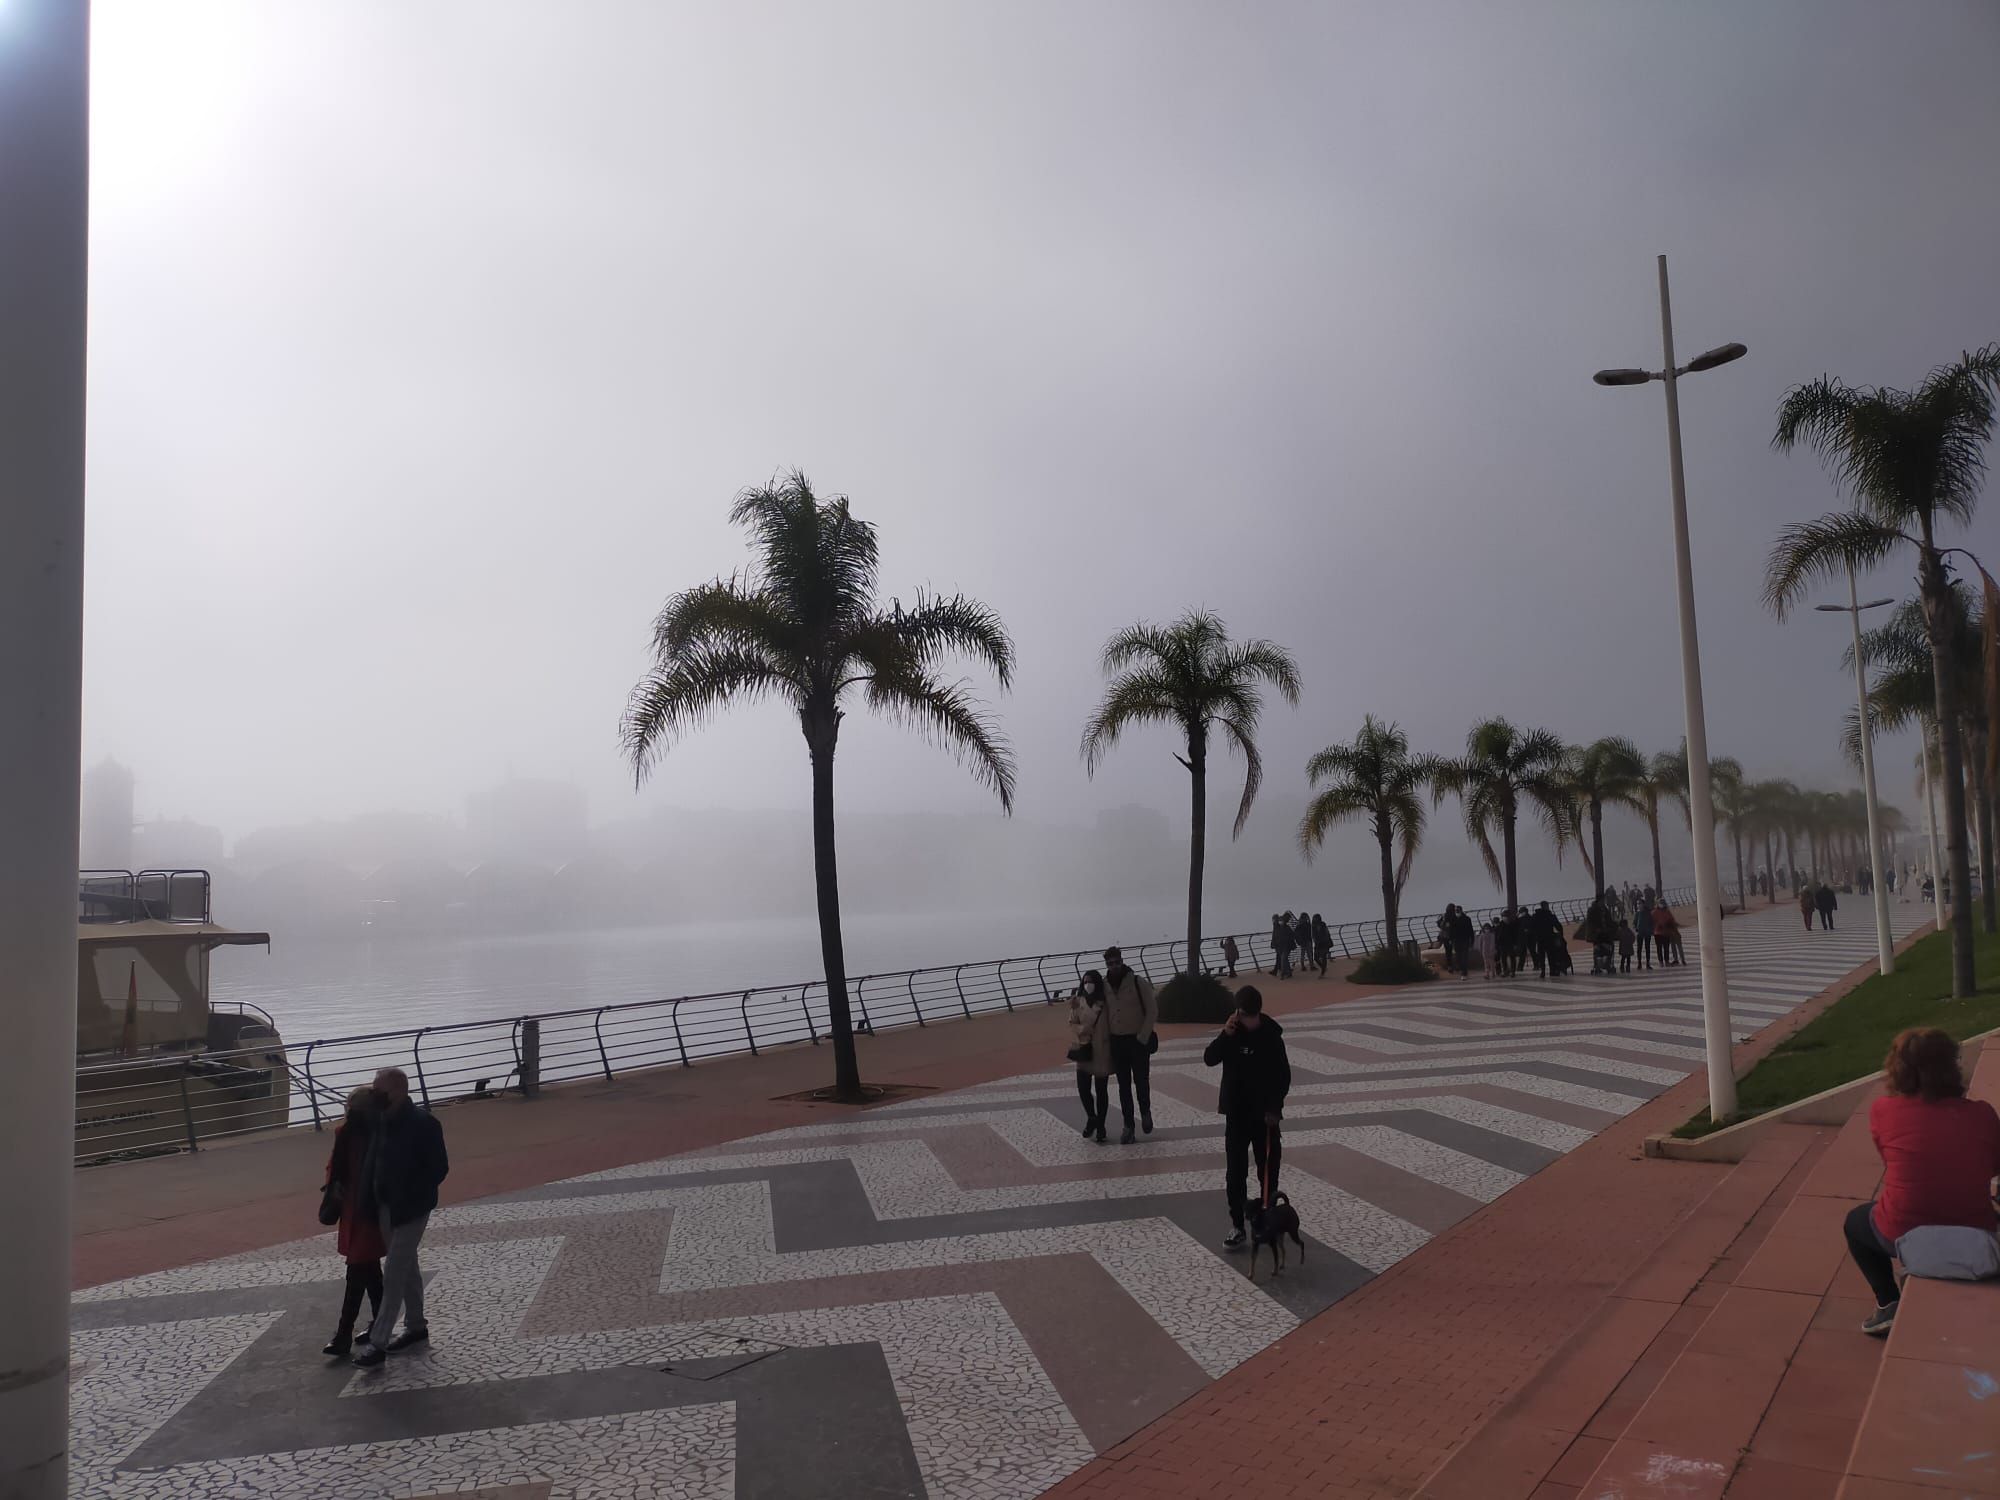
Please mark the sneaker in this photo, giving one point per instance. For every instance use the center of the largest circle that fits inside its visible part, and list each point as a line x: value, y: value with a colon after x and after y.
x: 1879, y: 1321
x: 1236, y: 1239
x: 1146, y: 1123
x: 1128, y: 1137
x: 418, y: 1335
x: 368, y: 1356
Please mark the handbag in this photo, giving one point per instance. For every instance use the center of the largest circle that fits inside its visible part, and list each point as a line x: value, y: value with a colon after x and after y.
x: 1080, y: 1054
x: 1152, y: 1044
x: 1950, y: 1252
x: 329, y: 1203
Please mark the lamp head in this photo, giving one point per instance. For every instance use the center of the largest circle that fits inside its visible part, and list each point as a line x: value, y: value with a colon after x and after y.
x: 1622, y: 377
x: 1718, y: 356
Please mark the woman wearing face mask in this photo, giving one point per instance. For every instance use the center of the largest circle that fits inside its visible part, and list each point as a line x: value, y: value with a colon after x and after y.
x: 359, y: 1238
x: 1090, y: 1050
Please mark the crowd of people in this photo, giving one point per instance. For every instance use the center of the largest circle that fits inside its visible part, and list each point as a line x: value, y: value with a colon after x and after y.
x: 1625, y: 929
x: 1304, y: 934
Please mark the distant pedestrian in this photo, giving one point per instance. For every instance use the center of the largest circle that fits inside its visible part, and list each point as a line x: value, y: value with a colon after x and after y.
x: 1256, y: 1076
x: 359, y: 1238
x: 1806, y: 905
x: 1642, y: 928
x: 1463, y: 928
x: 1601, y: 932
x: 1667, y: 936
x: 1827, y: 902
x: 406, y: 1163
x: 1090, y: 1050
x: 1230, y: 953
x: 1627, y: 939
x: 1322, y: 943
x: 1282, y: 943
x: 1488, y: 946
x: 1134, y: 1011
x: 1302, y: 933
x: 1447, y: 937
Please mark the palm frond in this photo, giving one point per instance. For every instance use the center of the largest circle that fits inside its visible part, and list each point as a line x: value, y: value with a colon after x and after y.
x: 1812, y: 551
x: 687, y: 688
x: 940, y: 626
x: 949, y: 716
x: 1243, y: 736
x: 1141, y: 697
x: 726, y: 612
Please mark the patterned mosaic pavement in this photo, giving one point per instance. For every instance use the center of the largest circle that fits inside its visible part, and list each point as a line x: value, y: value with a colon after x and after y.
x: 956, y: 1296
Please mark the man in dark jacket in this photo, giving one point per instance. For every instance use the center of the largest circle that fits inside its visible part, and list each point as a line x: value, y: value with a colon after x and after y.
x: 406, y: 1162
x: 1256, y: 1076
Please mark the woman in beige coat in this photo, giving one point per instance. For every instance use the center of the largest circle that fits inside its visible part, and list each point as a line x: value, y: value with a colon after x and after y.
x: 1090, y: 1050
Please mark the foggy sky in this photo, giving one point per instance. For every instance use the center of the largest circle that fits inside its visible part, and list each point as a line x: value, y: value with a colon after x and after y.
x: 429, y: 343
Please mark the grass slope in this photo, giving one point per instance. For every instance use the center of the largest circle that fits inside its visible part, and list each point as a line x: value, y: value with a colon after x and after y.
x: 1850, y: 1039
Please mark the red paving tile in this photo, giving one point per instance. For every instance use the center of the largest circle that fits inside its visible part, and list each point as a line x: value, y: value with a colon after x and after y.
x: 1709, y: 1405
x: 1927, y: 1424
x: 1950, y: 1324
x: 1761, y: 1479
x: 1580, y: 1461
x: 1858, y: 1488
x: 1635, y: 1469
x: 1755, y: 1324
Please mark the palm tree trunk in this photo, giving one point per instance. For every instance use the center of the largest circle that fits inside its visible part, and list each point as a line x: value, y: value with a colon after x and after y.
x: 1597, y: 842
x: 1791, y: 863
x: 1982, y: 812
x: 1197, y: 845
x: 1934, y: 589
x: 1653, y: 822
x: 826, y: 882
x: 1770, y: 868
x: 1385, y: 837
x: 1742, y: 891
x: 1507, y: 852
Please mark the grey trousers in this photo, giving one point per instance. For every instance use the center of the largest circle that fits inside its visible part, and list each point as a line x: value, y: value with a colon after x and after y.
x: 402, y: 1279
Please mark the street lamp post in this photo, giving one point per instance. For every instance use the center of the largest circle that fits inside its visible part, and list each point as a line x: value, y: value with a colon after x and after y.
x: 1885, y: 955
x: 1701, y: 808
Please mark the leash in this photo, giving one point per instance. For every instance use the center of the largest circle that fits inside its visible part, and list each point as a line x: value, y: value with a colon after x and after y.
x: 1270, y: 1138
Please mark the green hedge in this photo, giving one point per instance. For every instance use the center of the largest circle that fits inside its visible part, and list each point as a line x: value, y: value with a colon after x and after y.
x: 1196, y: 997
x: 1391, y: 966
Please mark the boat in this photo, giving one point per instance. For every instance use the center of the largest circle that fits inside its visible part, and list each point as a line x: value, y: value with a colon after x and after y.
x: 159, y: 1066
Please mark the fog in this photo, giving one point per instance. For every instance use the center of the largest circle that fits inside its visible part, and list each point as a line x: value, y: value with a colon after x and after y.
x: 430, y: 342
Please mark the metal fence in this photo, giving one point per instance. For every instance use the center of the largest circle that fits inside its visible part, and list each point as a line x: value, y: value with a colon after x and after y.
x: 174, y: 1101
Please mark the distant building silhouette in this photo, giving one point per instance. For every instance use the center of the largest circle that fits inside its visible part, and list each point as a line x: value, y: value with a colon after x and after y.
x: 105, y: 836
x: 539, y: 822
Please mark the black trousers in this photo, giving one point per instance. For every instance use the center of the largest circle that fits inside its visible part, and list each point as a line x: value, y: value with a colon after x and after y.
x: 1876, y: 1260
x: 1825, y: 920
x: 362, y: 1277
x: 1645, y: 950
x: 1085, y: 1080
x: 1246, y: 1138
x: 1134, y: 1068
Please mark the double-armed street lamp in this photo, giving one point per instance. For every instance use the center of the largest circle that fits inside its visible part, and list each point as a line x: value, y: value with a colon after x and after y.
x: 1884, y: 950
x: 1701, y: 804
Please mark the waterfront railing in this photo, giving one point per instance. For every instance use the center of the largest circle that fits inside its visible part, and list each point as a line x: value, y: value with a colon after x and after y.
x: 176, y: 1101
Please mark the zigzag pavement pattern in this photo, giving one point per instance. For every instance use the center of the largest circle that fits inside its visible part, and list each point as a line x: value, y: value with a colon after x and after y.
x: 956, y: 1297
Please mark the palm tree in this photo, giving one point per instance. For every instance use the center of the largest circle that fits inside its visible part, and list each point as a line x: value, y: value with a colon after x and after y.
x: 1909, y: 460
x: 1667, y: 776
x: 803, y: 625
x: 1606, y: 772
x: 1190, y: 675
x: 1375, y: 778
x: 1773, y: 803
x: 1737, y: 807
x: 1507, y: 771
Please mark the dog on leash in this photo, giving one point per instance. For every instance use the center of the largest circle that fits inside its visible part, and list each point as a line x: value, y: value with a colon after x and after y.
x: 1269, y: 1224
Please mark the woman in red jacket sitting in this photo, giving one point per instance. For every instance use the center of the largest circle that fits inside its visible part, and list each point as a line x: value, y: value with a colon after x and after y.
x: 1940, y: 1154
x: 359, y: 1238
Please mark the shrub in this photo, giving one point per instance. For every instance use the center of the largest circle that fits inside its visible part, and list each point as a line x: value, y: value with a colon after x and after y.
x: 1196, y: 997
x: 1391, y: 966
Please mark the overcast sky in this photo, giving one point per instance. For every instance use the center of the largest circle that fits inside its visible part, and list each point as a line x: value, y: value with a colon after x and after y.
x: 430, y: 341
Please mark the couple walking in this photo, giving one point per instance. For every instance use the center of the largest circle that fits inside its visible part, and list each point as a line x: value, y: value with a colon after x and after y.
x: 1112, y: 1016
x: 381, y: 1188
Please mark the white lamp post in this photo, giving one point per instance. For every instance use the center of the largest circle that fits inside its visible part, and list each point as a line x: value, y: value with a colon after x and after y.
x: 1707, y: 884
x: 1884, y: 949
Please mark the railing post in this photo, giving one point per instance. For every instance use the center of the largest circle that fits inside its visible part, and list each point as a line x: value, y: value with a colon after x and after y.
x: 861, y: 999
x: 1000, y: 973
x: 312, y: 1092
x: 1041, y: 984
x: 531, y: 1056
x: 743, y: 1014
x: 1258, y: 963
x: 417, y: 1050
x: 187, y: 1113
x: 911, y: 985
x: 677, y: 1034
x: 804, y: 1005
x: 1076, y: 962
x: 597, y: 1025
x: 961, y: 991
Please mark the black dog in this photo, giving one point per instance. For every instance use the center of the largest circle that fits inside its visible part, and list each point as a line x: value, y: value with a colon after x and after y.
x: 1269, y: 1224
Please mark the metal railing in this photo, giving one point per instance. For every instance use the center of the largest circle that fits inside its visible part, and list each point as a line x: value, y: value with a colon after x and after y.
x: 148, y: 895
x: 169, y: 1102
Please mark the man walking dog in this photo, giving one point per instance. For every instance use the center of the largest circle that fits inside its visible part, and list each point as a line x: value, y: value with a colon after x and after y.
x: 1256, y: 1076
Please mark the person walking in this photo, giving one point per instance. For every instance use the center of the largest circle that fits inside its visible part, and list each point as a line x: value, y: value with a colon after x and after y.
x: 1230, y: 953
x: 1487, y: 946
x: 1627, y: 940
x: 1282, y: 943
x: 1302, y: 933
x: 359, y: 1237
x: 1322, y: 944
x: 1447, y: 937
x: 1642, y: 928
x: 1667, y: 935
x: 406, y: 1162
x: 1090, y: 1050
x: 1806, y: 905
x: 1827, y: 902
x: 1134, y: 1010
x: 1256, y: 1076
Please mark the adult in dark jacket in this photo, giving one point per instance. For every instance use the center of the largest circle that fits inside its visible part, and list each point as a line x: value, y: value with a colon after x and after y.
x: 1827, y: 903
x: 406, y: 1162
x: 359, y: 1238
x: 1256, y: 1076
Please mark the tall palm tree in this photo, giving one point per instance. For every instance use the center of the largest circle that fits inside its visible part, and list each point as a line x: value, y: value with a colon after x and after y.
x: 1505, y: 772
x: 1667, y: 776
x: 1605, y: 773
x: 1375, y: 778
x: 803, y: 625
x: 1737, y: 807
x: 1191, y: 676
x: 1909, y: 460
x: 1773, y: 803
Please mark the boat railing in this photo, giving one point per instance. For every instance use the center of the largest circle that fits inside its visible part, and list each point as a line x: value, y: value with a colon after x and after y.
x: 482, y: 1059
x: 143, y: 895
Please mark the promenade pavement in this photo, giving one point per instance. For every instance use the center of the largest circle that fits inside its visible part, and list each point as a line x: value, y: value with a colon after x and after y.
x: 953, y: 1296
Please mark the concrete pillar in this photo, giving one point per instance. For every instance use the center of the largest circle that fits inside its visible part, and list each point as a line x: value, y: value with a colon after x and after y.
x: 44, y: 247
